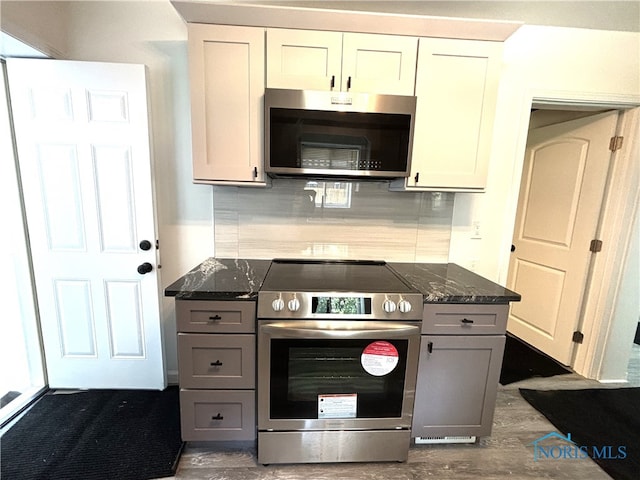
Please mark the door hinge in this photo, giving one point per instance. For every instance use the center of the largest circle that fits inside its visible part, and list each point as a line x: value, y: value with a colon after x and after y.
x: 595, y: 246
x: 616, y: 143
x: 578, y: 337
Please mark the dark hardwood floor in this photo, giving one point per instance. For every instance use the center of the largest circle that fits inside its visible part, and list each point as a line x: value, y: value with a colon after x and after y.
x: 507, y: 453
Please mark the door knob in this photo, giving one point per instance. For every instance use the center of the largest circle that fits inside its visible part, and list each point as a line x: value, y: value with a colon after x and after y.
x: 145, y: 245
x: 146, y: 267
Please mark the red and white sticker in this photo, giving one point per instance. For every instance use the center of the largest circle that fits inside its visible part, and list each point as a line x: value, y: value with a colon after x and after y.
x: 379, y: 358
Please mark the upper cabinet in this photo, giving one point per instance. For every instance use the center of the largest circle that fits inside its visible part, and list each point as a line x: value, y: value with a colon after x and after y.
x: 358, y: 62
x: 456, y: 87
x: 226, y: 70
x: 455, y: 82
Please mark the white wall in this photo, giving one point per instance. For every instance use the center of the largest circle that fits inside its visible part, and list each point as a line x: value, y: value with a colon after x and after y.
x: 542, y: 62
x: 620, y: 335
x: 42, y: 25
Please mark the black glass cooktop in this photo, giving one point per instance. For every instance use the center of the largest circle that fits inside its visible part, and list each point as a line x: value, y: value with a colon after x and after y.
x: 367, y: 276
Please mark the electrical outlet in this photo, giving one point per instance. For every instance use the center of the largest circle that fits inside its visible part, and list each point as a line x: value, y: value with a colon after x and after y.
x: 476, y: 230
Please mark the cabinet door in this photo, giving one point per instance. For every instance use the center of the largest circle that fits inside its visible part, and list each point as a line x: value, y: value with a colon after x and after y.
x: 456, y: 86
x: 457, y: 385
x: 379, y: 63
x: 303, y: 60
x: 226, y: 69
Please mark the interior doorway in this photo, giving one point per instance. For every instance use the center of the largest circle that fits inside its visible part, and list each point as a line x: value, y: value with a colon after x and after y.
x: 562, y: 189
x: 599, y: 288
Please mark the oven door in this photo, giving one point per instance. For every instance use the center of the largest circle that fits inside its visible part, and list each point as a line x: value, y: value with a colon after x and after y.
x: 336, y: 375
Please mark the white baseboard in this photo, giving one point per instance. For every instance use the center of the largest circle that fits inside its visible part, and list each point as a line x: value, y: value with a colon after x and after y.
x: 172, y: 377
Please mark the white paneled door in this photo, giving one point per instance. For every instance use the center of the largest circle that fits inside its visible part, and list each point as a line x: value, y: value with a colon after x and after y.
x: 83, y: 148
x: 563, y: 182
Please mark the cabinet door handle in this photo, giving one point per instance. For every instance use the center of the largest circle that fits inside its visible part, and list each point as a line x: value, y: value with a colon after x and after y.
x: 348, y: 83
x: 417, y: 177
x: 217, y: 417
x: 466, y: 321
x: 255, y: 172
x: 333, y: 81
x: 430, y: 347
x: 217, y: 363
x: 215, y: 317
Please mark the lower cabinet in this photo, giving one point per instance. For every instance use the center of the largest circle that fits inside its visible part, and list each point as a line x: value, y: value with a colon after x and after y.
x: 216, y: 367
x: 457, y: 385
x: 218, y: 414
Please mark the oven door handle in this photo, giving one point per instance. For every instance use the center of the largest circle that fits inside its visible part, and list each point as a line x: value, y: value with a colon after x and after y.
x: 339, y: 329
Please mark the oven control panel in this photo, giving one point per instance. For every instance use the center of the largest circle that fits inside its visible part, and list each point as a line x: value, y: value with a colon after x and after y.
x: 340, y: 305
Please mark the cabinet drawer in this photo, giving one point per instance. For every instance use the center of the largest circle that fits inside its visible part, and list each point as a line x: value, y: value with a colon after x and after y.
x: 216, y: 361
x: 215, y: 316
x: 218, y: 415
x: 462, y: 319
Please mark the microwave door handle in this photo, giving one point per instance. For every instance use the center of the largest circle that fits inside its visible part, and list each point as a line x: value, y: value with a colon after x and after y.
x: 294, y: 329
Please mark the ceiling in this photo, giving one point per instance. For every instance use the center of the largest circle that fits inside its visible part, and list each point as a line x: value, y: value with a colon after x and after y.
x: 601, y: 15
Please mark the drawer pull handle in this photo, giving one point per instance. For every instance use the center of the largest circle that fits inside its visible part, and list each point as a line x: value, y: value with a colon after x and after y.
x: 217, y: 417
x: 217, y: 363
x: 215, y: 317
x: 430, y: 347
x: 466, y: 321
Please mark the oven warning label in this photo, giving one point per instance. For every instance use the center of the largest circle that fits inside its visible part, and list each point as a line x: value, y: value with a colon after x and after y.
x: 338, y: 405
x: 379, y: 358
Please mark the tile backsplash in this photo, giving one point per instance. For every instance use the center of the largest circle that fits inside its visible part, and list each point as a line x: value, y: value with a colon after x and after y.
x: 355, y: 220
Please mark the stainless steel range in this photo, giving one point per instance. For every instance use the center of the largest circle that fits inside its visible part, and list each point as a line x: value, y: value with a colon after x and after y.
x: 338, y: 345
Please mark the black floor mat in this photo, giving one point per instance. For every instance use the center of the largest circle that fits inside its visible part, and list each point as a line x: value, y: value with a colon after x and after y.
x: 604, y: 421
x: 8, y: 398
x: 95, y: 435
x: 521, y: 361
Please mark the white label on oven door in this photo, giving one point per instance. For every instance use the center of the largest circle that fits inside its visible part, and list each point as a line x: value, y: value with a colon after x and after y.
x: 379, y: 358
x: 338, y: 406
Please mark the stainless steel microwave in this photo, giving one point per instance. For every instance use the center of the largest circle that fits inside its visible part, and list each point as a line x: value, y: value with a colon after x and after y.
x: 338, y: 134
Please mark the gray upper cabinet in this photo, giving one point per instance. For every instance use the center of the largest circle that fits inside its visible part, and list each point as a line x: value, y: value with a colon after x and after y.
x: 356, y: 62
x: 457, y: 88
x: 455, y: 82
x: 226, y: 71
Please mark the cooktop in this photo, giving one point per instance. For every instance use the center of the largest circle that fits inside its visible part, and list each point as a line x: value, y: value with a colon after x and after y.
x: 366, y: 276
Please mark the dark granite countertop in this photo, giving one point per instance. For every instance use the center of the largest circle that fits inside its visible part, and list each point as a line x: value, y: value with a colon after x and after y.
x: 221, y: 279
x: 450, y: 283
x: 240, y: 279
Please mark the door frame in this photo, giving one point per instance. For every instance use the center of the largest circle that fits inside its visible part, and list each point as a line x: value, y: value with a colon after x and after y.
x: 615, y: 225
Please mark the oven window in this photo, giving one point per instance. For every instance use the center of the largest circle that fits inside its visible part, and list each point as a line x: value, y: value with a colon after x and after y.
x: 304, y: 369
